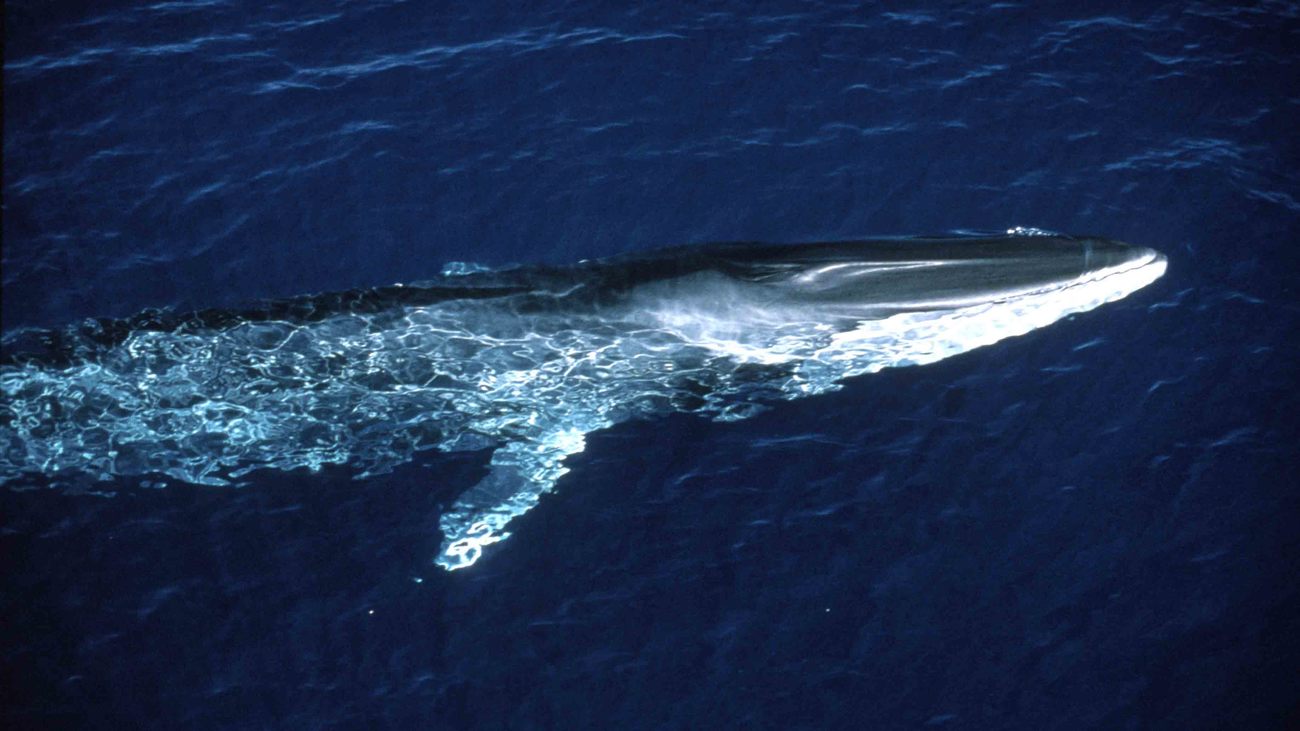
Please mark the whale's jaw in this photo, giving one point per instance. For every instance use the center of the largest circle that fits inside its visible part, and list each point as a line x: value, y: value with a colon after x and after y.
x: 891, y: 308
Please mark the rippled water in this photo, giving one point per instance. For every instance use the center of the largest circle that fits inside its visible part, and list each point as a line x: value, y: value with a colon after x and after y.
x: 1091, y: 527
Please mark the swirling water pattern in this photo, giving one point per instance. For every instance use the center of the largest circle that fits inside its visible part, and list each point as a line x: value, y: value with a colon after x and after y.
x: 1083, y: 529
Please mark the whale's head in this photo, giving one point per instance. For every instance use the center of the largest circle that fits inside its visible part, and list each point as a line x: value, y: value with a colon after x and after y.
x: 743, y: 295
x: 871, y: 278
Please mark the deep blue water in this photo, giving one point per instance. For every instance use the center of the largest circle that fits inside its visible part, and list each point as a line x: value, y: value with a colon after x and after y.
x: 1092, y: 526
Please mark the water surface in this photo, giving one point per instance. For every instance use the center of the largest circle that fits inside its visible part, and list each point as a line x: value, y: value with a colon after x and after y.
x: 1088, y: 527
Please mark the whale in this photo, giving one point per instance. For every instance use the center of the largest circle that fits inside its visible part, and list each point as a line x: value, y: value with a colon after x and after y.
x: 524, y: 361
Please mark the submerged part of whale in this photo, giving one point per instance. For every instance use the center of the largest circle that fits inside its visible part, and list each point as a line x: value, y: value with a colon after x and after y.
x: 527, y: 360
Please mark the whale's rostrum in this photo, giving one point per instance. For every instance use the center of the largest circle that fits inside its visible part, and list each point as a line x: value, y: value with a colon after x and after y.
x: 526, y: 361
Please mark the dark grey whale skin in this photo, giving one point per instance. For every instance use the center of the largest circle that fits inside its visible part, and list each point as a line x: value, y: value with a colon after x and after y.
x: 881, y: 275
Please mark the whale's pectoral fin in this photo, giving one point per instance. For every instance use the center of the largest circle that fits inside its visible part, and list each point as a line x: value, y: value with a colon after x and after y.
x: 520, y: 473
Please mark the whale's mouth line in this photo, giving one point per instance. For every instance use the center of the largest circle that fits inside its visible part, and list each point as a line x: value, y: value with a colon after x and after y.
x: 1151, y: 260
x: 1086, y: 280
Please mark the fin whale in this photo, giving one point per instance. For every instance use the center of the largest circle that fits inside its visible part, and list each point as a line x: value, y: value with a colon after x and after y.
x: 526, y: 361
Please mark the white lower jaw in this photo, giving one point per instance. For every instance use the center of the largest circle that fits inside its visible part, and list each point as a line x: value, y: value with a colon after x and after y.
x: 917, y: 338
x: 823, y: 356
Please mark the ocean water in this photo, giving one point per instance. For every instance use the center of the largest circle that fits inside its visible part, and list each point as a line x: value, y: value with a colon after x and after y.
x: 1090, y: 526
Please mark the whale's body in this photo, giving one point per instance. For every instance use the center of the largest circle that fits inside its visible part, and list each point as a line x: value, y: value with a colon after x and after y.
x: 525, y: 360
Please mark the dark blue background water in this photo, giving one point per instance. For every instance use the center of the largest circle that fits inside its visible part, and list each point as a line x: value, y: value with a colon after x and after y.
x: 1093, y: 526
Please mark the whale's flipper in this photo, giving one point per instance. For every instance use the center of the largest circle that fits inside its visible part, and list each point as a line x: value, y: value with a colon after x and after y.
x: 520, y: 473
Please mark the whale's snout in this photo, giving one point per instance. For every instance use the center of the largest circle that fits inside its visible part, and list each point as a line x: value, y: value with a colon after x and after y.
x: 862, y: 278
x: 1105, y: 254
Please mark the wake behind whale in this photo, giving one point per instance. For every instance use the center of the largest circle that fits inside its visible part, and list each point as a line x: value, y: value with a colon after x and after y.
x: 526, y: 361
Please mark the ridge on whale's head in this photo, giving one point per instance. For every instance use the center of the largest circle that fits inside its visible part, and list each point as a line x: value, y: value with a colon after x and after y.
x: 873, y: 279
